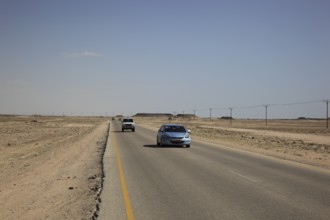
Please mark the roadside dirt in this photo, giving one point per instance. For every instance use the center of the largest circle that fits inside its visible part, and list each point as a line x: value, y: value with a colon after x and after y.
x: 50, y: 167
x: 304, y: 141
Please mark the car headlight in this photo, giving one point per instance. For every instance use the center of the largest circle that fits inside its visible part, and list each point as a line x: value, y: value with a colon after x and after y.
x: 187, y: 135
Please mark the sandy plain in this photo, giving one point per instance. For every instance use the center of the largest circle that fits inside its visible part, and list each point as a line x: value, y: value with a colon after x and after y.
x: 51, y: 167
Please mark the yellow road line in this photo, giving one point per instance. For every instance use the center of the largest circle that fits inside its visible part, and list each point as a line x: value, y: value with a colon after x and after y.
x: 128, y: 206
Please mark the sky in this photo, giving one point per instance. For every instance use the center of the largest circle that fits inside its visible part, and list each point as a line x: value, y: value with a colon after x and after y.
x: 105, y: 57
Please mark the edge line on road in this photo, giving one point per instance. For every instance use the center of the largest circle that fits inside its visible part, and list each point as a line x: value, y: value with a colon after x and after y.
x: 245, y: 177
x: 128, y: 206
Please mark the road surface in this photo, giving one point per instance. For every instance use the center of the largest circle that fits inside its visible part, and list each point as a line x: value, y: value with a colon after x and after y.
x: 206, y: 181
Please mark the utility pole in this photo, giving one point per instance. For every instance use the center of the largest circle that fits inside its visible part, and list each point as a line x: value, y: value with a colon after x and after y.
x: 231, y: 115
x: 210, y: 114
x: 327, y: 103
x: 194, y: 113
x: 266, y: 108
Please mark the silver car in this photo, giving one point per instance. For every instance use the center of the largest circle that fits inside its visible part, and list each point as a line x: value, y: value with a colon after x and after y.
x: 173, y: 134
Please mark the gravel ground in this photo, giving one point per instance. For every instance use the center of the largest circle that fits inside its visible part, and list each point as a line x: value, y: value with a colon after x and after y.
x: 51, y: 167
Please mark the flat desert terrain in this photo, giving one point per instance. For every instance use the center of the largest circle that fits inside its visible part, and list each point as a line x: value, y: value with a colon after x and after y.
x: 304, y: 141
x: 51, y: 167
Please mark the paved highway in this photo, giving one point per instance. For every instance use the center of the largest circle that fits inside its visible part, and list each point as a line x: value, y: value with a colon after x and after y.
x: 206, y: 181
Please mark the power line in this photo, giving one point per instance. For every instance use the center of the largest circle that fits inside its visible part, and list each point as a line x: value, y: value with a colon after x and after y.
x: 300, y: 103
x: 259, y: 106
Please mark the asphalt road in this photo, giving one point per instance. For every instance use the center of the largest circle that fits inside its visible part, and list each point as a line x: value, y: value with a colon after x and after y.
x: 206, y: 181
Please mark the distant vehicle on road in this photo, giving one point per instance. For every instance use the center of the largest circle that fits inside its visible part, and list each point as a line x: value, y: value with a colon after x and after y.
x: 173, y: 134
x: 127, y: 124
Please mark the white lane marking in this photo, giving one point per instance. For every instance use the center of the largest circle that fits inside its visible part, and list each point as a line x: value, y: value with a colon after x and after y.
x: 245, y: 177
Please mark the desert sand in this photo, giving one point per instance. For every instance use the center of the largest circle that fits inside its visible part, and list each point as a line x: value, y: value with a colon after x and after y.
x: 51, y: 167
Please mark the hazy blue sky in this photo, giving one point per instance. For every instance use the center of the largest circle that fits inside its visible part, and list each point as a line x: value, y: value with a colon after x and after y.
x: 98, y: 57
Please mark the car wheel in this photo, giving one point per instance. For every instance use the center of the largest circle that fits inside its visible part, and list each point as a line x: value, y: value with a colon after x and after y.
x: 122, y: 130
x: 188, y: 145
x: 133, y: 129
x: 157, y: 142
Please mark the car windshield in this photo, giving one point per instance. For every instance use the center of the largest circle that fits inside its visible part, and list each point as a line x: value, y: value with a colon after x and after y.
x: 128, y: 120
x: 175, y: 129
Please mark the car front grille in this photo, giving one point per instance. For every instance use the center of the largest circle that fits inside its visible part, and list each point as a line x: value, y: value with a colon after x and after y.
x: 177, y: 140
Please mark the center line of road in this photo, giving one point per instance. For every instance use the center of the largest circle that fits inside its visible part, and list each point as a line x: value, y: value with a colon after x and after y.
x: 245, y: 177
x: 128, y: 206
